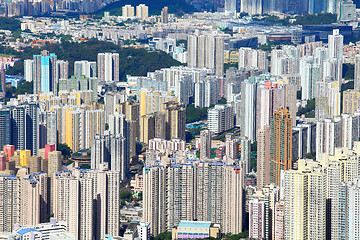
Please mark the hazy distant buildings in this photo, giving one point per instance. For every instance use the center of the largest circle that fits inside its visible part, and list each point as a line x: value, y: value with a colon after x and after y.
x: 164, y: 15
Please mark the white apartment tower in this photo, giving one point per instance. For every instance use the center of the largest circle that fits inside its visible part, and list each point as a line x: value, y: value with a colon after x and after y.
x: 108, y: 67
x: 221, y: 118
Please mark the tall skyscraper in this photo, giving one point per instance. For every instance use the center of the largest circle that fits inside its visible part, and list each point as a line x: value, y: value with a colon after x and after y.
x: 218, y: 199
x: 45, y: 76
x: 256, y: 219
x: 108, y: 67
x: 281, y: 144
x: 327, y: 100
x: 113, y: 150
x: 206, y: 51
x: 248, y: 110
x: 305, y: 202
x: 2, y: 82
x: 25, y: 201
x: 278, y: 223
x: 25, y: 127
x: 205, y: 144
x: 263, y: 157
x: 62, y: 69
x: 131, y: 111
x: 164, y: 15
x: 349, y: 207
x: 85, y: 68
x: 357, y: 73
x: 89, y: 201
x: 29, y: 70
x: 336, y: 45
x: 5, y: 127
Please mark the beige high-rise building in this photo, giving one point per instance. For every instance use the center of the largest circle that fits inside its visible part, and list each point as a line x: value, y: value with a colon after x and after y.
x: 205, y: 191
x: 131, y: 111
x: 142, y: 11
x: 175, y: 120
x: 233, y: 185
x: 278, y: 223
x: 55, y: 163
x: 147, y: 128
x: 263, y: 157
x: 94, y: 124
x: 152, y: 101
x: 351, y: 101
x: 34, y: 164
x: 89, y: 201
x: 341, y: 167
x: 22, y: 200
x: 290, y: 100
x: 305, y: 201
x: 128, y: 11
x: 33, y: 199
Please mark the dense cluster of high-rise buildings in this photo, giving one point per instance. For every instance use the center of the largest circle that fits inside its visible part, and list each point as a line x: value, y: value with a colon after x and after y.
x: 268, y: 146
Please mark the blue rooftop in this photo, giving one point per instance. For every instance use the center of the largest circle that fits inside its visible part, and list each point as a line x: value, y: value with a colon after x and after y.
x: 26, y: 230
x: 199, y: 224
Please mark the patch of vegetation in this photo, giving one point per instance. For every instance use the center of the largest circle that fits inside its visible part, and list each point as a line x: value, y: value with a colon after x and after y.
x: 348, y: 71
x: 347, y: 86
x: 163, y: 236
x: 194, y: 114
x: 178, y: 7
x: 253, y: 156
x: 136, y: 62
x: 64, y: 149
x: 24, y: 87
x: 17, y: 69
x: 298, y: 95
x: 309, y: 109
x: 311, y: 155
x: 179, y: 42
x: 126, y: 195
x: 277, y: 43
x: 11, y: 24
x: 221, y: 137
x: 229, y: 65
x: 314, y: 19
x: 244, y: 234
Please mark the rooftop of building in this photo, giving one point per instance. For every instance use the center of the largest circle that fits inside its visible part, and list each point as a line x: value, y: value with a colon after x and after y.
x: 198, y: 224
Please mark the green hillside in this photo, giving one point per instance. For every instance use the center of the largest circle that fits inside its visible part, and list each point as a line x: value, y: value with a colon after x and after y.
x: 135, y: 62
